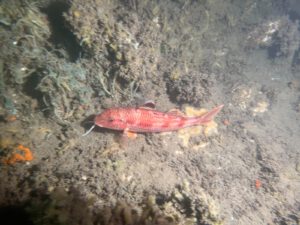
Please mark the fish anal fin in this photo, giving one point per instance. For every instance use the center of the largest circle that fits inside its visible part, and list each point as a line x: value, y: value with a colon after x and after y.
x: 176, y: 112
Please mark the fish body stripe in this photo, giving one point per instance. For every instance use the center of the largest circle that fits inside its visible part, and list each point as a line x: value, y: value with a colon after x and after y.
x: 142, y: 120
x: 157, y: 122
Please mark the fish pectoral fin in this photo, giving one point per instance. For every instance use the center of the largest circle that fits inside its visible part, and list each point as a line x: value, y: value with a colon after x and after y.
x: 176, y: 112
x: 129, y: 134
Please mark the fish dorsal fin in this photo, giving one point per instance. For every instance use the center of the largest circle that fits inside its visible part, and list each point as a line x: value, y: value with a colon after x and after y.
x: 148, y: 105
x: 176, y: 112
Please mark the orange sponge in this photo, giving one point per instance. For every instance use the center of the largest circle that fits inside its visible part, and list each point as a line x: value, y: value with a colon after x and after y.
x: 16, y: 157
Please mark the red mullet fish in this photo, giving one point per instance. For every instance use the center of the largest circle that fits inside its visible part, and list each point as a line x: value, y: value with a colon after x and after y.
x: 146, y: 119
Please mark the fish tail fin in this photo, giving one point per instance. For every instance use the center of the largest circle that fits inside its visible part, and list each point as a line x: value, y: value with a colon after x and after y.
x: 209, y: 116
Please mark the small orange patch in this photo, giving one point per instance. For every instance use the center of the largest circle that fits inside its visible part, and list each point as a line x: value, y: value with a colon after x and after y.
x: 257, y: 184
x: 16, y: 157
x: 11, y: 118
x: 131, y: 135
x: 226, y: 122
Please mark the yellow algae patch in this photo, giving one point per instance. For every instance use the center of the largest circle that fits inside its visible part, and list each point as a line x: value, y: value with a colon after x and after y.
x: 208, y: 129
x: 261, y: 107
x: 191, y: 111
x: 211, y: 128
x: 199, y: 146
x: 187, y: 133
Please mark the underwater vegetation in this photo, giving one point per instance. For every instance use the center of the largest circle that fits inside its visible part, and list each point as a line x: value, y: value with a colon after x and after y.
x: 65, y: 62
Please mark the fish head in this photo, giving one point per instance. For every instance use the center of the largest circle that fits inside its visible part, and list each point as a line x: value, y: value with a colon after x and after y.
x: 110, y: 119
